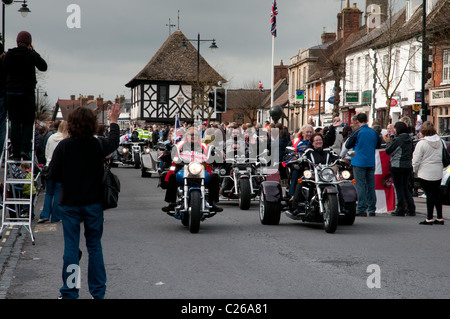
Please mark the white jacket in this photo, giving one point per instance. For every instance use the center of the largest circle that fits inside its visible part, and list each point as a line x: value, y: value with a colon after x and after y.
x: 427, y: 158
x: 52, y: 142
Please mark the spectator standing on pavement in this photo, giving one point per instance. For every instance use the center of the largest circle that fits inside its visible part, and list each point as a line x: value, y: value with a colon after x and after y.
x: 52, y: 130
x: 78, y: 164
x: 52, y: 188
x: 400, y: 150
x: 2, y: 100
x: 364, y: 142
x: 39, y: 149
x: 20, y: 65
x: 427, y: 163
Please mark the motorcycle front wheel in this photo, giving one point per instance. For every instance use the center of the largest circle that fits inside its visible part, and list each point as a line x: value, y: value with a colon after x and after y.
x: 244, y: 194
x: 137, y: 160
x: 195, y: 214
x: 331, y: 213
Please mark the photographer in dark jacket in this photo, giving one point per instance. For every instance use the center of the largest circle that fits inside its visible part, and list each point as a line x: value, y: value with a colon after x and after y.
x: 78, y: 164
x: 20, y: 66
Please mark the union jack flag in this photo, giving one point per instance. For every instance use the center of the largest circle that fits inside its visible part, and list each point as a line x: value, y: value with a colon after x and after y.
x: 273, y: 18
x: 178, y: 132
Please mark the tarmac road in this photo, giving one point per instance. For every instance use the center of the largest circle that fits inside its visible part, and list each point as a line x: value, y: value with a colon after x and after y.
x: 150, y: 255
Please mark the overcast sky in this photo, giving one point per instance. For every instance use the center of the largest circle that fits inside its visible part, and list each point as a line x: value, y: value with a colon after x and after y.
x: 116, y: 39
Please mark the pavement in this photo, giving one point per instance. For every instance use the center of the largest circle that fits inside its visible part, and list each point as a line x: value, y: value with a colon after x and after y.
x: 13, y: 239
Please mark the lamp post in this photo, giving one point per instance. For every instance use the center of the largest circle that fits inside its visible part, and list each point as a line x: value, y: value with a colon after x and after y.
x: 23, y: 11
x: 38, y: 93
x: 213, y: 48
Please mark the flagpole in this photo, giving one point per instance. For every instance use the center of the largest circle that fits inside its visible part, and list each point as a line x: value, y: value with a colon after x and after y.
x: 272, y: 72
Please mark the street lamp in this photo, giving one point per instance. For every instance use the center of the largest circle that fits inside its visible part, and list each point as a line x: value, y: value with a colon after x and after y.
x: 38, y: 93
x: 213, y: 48
x: 23, y: 11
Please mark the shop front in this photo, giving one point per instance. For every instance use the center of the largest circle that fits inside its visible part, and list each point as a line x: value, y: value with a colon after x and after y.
x: 440, y: 106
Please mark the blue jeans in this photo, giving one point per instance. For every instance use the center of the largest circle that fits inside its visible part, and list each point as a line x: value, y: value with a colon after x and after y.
x: 51, y: 206
x: 2, y: 123
x: 365, y: 187
x: 72, y: 217
x: 294, y: 181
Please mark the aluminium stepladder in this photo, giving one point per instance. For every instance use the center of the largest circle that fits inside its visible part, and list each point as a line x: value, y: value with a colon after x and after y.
x: 13, y: 202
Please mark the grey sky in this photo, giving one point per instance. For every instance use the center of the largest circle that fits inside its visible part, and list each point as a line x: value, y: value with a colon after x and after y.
x: 118, y: 38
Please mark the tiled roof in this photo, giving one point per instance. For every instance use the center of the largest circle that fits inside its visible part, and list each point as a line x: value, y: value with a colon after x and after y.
x: 175, y: 63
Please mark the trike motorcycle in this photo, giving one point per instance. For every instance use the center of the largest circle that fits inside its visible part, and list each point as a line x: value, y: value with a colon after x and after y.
x: 327, y: 191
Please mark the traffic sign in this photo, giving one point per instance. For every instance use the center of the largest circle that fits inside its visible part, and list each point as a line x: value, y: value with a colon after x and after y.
x: 300, y: 95
x: 331, y: 100
x: 393, y: 102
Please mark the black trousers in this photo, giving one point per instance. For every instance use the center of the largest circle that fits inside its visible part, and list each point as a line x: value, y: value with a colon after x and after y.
x: 432, y: 191
x: 21, y: 112
x: 401, y: 178
x: 212, y: 186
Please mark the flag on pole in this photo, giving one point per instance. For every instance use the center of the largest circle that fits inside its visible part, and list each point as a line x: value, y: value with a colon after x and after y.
x: 273, y: 18
x: 178, y: 133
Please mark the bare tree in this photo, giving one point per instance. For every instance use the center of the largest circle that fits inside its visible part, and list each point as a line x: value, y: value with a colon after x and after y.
x: 250, y: 100
x: 43, y: 109
x: 201, y: 88
x: 396, y: 40
x: 333, y: 63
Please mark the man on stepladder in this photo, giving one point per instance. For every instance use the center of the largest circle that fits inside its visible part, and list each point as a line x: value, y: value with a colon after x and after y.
x: 20, y: 66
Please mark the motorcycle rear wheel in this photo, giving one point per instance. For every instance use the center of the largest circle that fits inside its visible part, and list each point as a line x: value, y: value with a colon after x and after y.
x: 331, y: 213
x: 195, y: 213
x: 269, y: 213
x: 350, y: 215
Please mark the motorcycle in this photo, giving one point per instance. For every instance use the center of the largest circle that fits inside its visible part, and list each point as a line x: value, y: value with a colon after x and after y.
x: 192, y: 178
x: 329, y: 195
x: 241, y: 179
x: 129, y: 153
x: 151, y: 159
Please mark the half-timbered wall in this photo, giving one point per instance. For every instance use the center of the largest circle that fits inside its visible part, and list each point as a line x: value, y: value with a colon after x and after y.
x: 159, y: 102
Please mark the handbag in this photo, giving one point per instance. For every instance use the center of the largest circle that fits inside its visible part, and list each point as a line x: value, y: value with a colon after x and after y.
x: 111, y: 189
x: 445, y: 156
x: 111, y: 186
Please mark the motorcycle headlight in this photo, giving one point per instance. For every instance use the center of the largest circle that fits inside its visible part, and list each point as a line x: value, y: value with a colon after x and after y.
x: 147, y: 150
x: 346, y: 174
x: 327, y: 174
x: 307, y: 174
x: 124, y: 150
x: 195, y: 168
x: 223, y: 171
